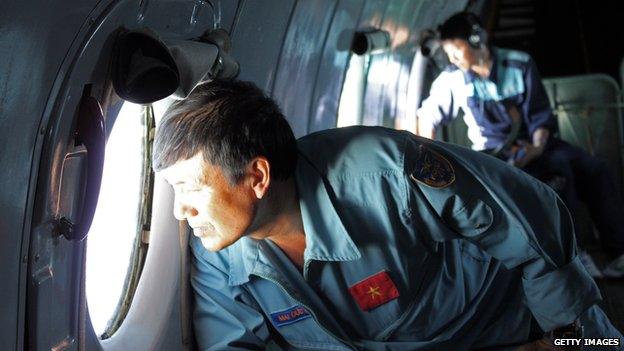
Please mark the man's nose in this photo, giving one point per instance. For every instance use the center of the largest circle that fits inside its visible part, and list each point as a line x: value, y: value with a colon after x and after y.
x: 182, y: 211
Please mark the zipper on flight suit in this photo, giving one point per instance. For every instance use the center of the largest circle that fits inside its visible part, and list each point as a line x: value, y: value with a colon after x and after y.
x: 292, y: 296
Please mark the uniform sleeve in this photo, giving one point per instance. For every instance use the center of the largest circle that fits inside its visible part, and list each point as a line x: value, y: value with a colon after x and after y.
x: 224, y: 317
x: 440, y: 106
x: 514, y: 218
x: 536, y: 106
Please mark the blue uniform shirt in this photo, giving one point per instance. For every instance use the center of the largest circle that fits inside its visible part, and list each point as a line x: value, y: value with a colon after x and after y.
x: 472, y: 247
x: 513, y: 81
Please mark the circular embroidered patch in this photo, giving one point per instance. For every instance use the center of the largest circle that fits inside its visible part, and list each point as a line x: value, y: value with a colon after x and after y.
x: 432, y: 169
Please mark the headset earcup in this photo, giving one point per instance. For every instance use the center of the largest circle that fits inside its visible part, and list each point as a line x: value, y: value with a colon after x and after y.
x: 474, y: 40
x: 478, y: 36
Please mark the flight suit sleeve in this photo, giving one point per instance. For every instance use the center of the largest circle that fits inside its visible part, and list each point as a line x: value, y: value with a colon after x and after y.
x: 440, y: 106
x: 224, y: 317
x: 536, y: 106
x: 463, y: 194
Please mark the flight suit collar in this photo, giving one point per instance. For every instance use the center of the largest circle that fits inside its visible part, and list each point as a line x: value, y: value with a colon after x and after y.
x: 243, y: 257
x: 326, y: 237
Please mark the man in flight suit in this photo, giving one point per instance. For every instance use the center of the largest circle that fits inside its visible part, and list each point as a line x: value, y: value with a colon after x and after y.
x: 363, y: 238
x: 508, y: 112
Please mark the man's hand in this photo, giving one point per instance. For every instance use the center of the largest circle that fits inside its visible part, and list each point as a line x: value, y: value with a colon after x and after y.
x: 531, y: 152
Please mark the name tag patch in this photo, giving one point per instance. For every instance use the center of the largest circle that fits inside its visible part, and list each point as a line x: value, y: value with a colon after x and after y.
x: 289, y: 316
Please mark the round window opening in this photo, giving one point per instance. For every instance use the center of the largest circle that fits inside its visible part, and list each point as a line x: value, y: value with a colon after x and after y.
x: 117, y: 240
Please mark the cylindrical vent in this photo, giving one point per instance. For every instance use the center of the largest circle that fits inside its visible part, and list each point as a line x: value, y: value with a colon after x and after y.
x: 370, y: 42
x: 429, y: 43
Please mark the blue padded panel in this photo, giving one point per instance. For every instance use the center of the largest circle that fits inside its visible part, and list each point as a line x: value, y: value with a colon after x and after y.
x: 300, y: 60
x: 335, y: 60
x: 257, y: 41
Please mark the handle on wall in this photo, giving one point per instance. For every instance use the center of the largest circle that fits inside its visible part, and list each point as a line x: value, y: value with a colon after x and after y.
x: 91, y: 135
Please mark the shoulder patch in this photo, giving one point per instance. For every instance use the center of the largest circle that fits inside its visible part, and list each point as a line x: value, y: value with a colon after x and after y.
x: 432, y: 169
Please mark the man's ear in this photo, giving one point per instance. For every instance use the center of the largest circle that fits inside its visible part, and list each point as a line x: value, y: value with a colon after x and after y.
x: 259, y: 172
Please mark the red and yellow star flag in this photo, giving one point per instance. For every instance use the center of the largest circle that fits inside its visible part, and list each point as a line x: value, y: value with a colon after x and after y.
x: 374, y: 291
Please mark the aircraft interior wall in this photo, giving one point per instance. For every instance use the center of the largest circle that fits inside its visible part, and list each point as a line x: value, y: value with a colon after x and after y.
x: 57, y: 52
x: 56, y: 55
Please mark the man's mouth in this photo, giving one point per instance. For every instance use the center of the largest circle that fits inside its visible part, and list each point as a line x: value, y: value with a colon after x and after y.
x: 202, y: 231
x: 198, y: 232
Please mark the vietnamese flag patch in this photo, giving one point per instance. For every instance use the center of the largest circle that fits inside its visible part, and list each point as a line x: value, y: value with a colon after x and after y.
x: 374, y: 291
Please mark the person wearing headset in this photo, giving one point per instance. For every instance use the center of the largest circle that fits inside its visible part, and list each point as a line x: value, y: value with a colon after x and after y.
x: 508, y: 114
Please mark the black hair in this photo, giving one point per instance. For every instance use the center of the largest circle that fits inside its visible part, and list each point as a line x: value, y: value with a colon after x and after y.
x: 230, y: 122
x: 463, y: 25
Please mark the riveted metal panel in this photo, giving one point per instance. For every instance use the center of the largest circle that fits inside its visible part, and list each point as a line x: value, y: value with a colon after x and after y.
x: 257, y: 36
x: 68, y: 46
x: 294, y: 49
x: 184, y: 19
x: 42, y: 34
x: 300, y: 60
x: 55, y: 305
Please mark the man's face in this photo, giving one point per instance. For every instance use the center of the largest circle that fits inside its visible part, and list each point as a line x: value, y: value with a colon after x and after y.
x: 219, y: 213
x: 460, y: 53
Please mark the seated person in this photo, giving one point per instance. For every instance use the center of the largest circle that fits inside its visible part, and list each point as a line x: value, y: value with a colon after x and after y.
x: 507, y: 113
x: 363, y: 238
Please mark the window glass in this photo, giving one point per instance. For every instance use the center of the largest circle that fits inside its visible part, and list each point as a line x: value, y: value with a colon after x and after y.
x: 116, y: 222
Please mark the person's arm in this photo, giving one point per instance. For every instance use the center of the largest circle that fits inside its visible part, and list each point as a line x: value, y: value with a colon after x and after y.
x: 537, y: 115
x: 514, y: 218
x: 540, y: 137
x: 535, y: 107
x: 424, y: 128
x: 224, y: 317
x: 535, y: 149
x: 439, y: 107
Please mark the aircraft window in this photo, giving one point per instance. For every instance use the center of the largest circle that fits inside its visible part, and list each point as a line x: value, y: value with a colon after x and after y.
x: 352, y: 96
x: 118, y: 238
